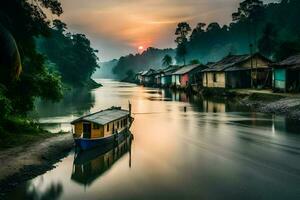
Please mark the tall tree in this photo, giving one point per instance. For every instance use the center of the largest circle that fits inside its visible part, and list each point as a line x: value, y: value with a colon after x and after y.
x: 77, y: 62
x: 250, y: 12
x: 198, y: 30
x: 268, y: 41
x: 182, y: 31
x: 25, y: 20
x: 167, y: 60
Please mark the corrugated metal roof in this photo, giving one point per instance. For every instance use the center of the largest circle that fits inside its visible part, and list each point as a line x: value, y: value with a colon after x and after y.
x: 227, y: 62
x: 169, y: 70
x: 186, y: 69
x: 290, y: 61
x: 105, y: 116
x: 232, y: 61
x: 149, y: 72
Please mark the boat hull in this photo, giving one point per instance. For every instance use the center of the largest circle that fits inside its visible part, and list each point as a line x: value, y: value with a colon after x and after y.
x: 85, y: 144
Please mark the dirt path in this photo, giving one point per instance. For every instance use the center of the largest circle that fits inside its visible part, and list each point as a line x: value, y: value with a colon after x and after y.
x: 25, y: 162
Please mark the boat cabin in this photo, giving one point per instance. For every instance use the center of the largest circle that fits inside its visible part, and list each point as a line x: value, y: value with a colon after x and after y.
x: 101, y: 124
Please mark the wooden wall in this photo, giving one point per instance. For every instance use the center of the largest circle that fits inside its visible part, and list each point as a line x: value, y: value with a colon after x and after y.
x: 208, y: 79
x: 102, y: 130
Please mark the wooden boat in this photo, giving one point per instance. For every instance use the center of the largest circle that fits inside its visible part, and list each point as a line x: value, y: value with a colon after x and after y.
x: 102, y: 128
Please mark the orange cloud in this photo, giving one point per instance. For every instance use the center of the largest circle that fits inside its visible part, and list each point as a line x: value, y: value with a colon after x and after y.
x: 119, y: 26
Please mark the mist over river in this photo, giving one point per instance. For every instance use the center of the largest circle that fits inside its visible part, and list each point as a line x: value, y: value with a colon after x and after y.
x: 215, y: 150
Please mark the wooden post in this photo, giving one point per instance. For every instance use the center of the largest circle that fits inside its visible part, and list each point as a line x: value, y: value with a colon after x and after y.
x: 251, y: 60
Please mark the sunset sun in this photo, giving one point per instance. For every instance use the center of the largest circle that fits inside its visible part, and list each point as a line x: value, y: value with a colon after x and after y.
x: 140, y: 47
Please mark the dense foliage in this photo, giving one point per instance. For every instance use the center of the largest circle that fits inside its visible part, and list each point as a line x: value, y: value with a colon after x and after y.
x: 24, y: 20
x: 273, y: 29
x: 182, y: 31
x: 26, y: 73
x: 167, y: 60
x: 76, y: 60
x: 151, y: 58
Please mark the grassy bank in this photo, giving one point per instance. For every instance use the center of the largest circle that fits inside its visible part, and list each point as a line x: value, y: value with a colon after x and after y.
x: 17, y: 131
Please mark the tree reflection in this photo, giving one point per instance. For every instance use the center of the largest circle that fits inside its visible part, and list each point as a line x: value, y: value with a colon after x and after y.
x: 52, y: 192
x: 77, y: 101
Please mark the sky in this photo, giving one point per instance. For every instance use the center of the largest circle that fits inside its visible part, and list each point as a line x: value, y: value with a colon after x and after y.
x: 120, y: 27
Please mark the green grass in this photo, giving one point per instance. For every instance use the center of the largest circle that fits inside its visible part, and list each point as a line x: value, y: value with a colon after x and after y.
x: 18, y: 131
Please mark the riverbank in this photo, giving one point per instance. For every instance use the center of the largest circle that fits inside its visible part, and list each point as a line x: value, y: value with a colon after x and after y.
x: 27, y: 161
x: 264, y: 101
x: 287, y: 105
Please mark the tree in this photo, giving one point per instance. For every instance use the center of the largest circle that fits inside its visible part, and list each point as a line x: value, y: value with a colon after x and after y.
x: 182, y: 32
x: 167, y: 60
x: 194, y: 62
x: 26, y: 20
x: 139, y: 62
x: 287, y: 49
x: 77, y: 62
x: 198, y: 30
x: 247, y: 9
x: 268, y: 41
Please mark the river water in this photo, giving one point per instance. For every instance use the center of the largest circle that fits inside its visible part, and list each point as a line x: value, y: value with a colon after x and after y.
x: 214, y: 150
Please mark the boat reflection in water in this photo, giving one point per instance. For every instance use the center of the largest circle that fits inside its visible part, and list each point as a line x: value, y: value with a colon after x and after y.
x: 90, y: 165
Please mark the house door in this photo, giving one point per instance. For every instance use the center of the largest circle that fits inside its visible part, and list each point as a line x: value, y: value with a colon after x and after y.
x: 87, y: 130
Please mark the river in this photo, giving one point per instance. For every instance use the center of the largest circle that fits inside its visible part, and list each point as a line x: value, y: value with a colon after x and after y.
x: 215, y: 150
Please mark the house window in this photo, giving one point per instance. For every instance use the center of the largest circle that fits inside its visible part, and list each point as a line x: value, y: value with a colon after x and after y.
x: 107, y: 127
x: 96, y: 126
x: 118, y: 125
x: 215, y: 77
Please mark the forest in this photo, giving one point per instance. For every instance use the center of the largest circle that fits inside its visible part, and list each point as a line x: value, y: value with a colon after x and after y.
x: 39, y: 59
x: 130, y: 64
x: 272, y: 29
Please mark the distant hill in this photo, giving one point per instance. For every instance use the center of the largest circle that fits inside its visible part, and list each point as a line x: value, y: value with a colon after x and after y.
x: 151, y: 58
x: 105, y: 70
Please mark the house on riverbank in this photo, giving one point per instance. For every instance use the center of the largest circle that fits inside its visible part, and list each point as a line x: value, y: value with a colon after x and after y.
x: 238, y: 71
x: 139, y: 77
x: 166, y: 77
x: 286, y: 75
x: 157, y: 77
x: 188, y: 75
x: 146, y: 78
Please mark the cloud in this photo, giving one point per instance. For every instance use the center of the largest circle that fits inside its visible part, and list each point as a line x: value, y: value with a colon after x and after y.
x: 118, y: 27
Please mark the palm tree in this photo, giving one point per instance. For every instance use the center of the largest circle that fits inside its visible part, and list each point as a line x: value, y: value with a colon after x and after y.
x: 167, y: 60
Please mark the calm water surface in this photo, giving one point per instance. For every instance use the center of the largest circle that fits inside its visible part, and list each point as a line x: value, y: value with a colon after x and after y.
x: 215, y: 150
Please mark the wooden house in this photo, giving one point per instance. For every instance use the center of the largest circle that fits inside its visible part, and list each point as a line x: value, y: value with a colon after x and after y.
x: 166, y: 77
x: 139, y: 77
x: 286, y: 75
x: 148, y: 77
x: 238, y: 71
x: 188, y: 75
x: 157, y: 77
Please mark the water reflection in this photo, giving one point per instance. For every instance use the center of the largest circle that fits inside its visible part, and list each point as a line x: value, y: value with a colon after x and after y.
x: 90, y: 165
x: 217, y: 149
x: 56, y: 116
x: 74, y: 102
x: 53, y: 191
